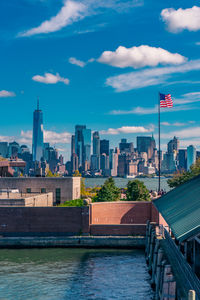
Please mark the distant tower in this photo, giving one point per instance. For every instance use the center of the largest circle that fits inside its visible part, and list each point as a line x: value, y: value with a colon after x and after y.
x: 37, y: 146
x: 191, y: 156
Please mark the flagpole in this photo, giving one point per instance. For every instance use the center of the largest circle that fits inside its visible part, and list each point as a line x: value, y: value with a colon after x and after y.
x: 159, y: 142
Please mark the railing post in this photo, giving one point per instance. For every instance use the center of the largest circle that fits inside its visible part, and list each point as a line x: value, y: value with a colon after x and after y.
x: 191, y: 295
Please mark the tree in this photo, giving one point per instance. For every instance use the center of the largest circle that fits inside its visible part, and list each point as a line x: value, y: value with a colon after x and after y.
x: 49, y: 174
x: 83, y: 188
x: 77, y: 174
x: 182, y: 176
x: 137, y: 191
x: 108, y: 192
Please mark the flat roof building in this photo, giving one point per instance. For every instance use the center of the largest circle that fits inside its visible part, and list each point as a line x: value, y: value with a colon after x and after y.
x: 63, y: 188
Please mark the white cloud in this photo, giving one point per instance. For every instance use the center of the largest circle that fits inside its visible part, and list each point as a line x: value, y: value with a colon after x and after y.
x: 176, y: 124
x: 75, y: 61
x: 186, y: 143
x: 70, y: 12
x: 51, y: 137
x: 49, y: 78
x: 138, y: 57
x: 56, y: 138
x: 180, y: 19
x: 5, y: 94
x: 74, y: 11
x: 149, y: 77
x: 186, y: 133
x: 4, y: 138
x: 150, y: 110
x: 127, y: 129
x: 188, y: 98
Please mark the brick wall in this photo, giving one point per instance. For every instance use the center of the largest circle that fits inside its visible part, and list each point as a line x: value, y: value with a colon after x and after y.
x: 117, y: 218
x: 121, y: 230
x: 125, y: 212
x: 43, y: 221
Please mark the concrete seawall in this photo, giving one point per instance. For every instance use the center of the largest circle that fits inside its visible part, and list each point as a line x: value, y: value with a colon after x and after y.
x: 75, y: 241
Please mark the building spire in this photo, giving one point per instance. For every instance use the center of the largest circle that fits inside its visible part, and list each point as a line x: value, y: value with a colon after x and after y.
x: 37, y: 103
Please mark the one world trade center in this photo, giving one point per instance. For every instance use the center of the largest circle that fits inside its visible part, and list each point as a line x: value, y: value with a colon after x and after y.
x: 37, y: 146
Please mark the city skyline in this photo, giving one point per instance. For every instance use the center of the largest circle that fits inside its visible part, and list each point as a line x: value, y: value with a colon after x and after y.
x: 89, y: 70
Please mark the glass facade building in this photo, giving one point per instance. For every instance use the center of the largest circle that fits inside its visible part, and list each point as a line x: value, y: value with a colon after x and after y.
x: 191, y: 156
x: 37, y: 145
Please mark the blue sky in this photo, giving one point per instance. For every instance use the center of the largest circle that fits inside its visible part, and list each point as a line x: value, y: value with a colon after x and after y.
x: 99, y: 63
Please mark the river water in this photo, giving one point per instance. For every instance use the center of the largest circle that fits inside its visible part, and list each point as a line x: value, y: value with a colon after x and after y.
x: 73, y: 274
x: 151, y: 183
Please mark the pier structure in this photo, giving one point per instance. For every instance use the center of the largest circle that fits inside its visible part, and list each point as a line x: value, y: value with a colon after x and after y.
x: 173, y: 244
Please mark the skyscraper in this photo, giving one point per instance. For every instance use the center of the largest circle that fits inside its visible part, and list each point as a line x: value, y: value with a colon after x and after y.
x: 182, y: 159
x: 79, y: 143
x: 173, y: 145
x: 146, y: 144
x: 95, y: 159
x: 3, y: 149
x: 37, y: 146
x: 86, y: 145
x: 191, y: 156
x: 96, y: 143
x: 104, y: 147
x: 126, y: 147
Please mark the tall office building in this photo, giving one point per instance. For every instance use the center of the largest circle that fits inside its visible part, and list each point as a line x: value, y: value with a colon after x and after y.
x: 191, y: 156
x: 113, y: 162
x: 125, y: 147
x: 95, y: 159
x: 73, y: 144
x: 82, y: 145
x: 104, y: 147
x: 37, y: 145
x: 86, y: 145
x: 13, y: 149
x: 74, y: 157
x: 182, y: 159
x: 79, y: 143
x: 3, y: 149
x: 96, y: 143
x: 146, y: 144
x: 173, y: 145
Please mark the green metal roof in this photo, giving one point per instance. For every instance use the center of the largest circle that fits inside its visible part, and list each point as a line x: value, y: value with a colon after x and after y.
x: 181, y: 209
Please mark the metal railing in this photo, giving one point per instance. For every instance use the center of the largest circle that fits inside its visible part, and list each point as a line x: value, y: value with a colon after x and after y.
x: 191, y: 281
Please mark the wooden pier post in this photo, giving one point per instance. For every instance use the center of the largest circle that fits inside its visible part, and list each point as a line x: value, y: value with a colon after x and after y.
x: 168, y: 285
x: 191, y: 295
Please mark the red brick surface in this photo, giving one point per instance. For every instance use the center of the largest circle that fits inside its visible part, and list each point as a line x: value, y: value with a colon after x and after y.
x: 122, y: 213
x: 126, y: 229
x: 116, y: 218
x: 48, y: 220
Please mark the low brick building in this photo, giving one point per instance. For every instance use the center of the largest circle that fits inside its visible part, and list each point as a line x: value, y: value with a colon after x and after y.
x: 63, y: 188
x: 9, y: 199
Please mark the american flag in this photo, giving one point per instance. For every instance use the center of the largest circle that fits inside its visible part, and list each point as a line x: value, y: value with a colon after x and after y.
x: 166, y: 100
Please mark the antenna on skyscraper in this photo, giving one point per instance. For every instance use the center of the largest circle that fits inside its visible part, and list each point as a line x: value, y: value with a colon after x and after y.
x: 37, y: 103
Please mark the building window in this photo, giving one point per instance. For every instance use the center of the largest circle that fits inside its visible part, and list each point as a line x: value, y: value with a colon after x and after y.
x: 28, y: 190
x: 43, y: 190
x: 58, y: 194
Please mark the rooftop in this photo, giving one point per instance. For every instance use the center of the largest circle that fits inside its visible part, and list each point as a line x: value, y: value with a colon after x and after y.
x: 181, y: 209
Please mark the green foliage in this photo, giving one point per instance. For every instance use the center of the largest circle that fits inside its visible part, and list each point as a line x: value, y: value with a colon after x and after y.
x: 83, y: 189
x: 50, y: 174
x: 73, y: 203
x: 183, y: 176
x: 137, y: 191
x: 77, y: 174
x: 108, y: 192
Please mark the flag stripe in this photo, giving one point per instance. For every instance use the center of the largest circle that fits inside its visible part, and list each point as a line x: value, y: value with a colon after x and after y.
x: 166, y: 100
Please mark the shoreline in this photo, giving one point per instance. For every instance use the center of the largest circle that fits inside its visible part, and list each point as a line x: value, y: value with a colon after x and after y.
x: 118, y: 242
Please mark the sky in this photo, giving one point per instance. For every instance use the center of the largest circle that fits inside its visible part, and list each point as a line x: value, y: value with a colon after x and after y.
x: 100, y: 63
